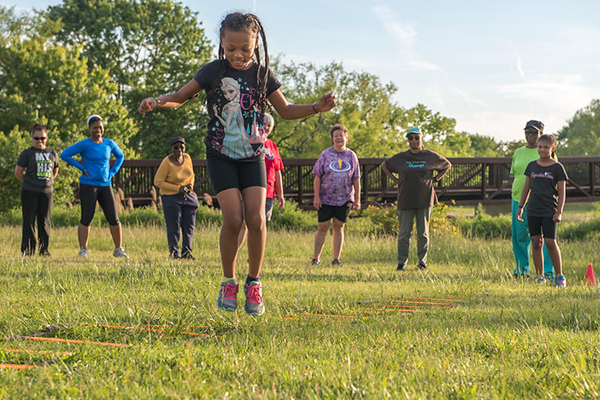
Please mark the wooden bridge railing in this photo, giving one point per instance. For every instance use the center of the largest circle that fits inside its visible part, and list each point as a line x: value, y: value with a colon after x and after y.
x: 470, y: 181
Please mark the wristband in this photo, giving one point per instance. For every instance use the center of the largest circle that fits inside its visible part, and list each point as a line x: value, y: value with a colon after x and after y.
x: 155, y: 100
x: 314, y: 109
x: 520, y: 206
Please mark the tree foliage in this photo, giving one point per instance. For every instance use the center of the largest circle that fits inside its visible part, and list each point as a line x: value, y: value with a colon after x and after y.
x: 148, y: 47
x: 581, y: 135
x: 376, y: 123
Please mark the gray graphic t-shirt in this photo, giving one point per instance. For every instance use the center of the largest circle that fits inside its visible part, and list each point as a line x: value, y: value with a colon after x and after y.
x: 39, y: 168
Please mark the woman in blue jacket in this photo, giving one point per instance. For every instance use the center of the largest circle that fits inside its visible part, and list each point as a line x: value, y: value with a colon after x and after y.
x: 95, y: 182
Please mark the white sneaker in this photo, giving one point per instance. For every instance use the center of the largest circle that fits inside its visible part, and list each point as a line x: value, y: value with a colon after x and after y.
x: 119, y: 252
x: 83, y: 253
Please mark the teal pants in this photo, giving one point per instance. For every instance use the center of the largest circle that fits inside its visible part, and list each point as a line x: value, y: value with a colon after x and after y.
x: 406, y: 218
x: 521, y: 242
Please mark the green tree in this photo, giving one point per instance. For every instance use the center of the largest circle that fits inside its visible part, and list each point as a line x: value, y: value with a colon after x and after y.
x: 581, y: 135
x: 149, y: 47
x: 364, y: 106
x: 485, y: 146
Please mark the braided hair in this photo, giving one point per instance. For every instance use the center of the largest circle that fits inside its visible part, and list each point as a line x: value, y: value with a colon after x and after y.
x: 551, y: 139
x: 239, y: 22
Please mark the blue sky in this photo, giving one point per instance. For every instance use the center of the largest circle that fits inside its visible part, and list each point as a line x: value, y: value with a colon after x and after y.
x: 490, y: 65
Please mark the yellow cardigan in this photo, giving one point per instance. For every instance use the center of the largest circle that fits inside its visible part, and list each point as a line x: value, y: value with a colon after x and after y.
x: 170, y: 177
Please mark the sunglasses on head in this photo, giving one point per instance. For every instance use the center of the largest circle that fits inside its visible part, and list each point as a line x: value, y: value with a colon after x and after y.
x: 39, y: 138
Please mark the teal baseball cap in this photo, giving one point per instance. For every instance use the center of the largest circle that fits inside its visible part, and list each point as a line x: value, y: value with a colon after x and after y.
x: 413, y: 130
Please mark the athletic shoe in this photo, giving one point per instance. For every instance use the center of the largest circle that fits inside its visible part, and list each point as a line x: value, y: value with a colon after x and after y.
x: 336, y: 262
x: 188, y: 256
x: 119, y: 252
x: 254, y: 301
x: 227, y: 299
x: 83, y: 253
x: 315, y: 262
x: 45, y: 254
x: 401, y: 267
x: 174, y: 256
x: 421, y: 265
x: 540, y: 280
x: 560, y: 281
x: 521, y: 276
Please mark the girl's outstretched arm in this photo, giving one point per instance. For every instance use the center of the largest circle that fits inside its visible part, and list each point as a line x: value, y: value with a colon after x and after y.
x: 562, y: 195
x: 524, y: 196
x: 171, y: 100
x: 295, y: 111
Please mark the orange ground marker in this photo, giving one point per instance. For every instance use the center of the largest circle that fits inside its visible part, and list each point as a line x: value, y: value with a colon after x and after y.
x: 59, y: 340
x: 17, y: 366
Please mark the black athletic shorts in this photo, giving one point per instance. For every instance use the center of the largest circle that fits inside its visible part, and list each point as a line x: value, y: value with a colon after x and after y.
x: 539, y: 225
x: 88, y: 195
x: 326, y: 212
x: 226, y: 173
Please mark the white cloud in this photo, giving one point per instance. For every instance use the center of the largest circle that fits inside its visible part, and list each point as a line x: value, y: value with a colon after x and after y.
x: 555, y: 91
x: 403, y: 34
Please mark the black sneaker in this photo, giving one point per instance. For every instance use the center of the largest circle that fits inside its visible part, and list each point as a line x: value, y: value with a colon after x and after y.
x: 422, y: 265
x: 401, y: 267
x: 188, y: 256
x: 174, y: 256
x: 336, y: 262
x: 315, y: 262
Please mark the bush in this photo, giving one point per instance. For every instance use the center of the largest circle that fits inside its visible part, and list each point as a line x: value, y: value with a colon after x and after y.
x: 485, y: 226
x: 586, y: 230
x: 291, y: 217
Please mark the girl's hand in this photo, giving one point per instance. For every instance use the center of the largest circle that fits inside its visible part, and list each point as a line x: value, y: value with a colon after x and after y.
x: 356, y: 205
x: 280, y: 202
x: 557, y: 217
x: 519, y: 217
x: 326, y: 103
x: 148, y: 104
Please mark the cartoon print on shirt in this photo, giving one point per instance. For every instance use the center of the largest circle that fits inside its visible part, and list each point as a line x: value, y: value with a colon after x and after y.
x: 340, y: 165
x: 235, y: 142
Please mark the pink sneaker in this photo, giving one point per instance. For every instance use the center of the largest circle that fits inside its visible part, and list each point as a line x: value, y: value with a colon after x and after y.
x: 254, y: 301
x: 227, y: 299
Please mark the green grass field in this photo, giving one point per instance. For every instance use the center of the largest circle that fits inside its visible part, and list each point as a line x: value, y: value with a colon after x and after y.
x: 357, y: 331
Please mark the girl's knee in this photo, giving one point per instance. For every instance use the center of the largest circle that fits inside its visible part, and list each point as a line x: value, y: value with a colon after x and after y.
x: 551, y: 244
x: 255, y: 222
x: 536, y: 242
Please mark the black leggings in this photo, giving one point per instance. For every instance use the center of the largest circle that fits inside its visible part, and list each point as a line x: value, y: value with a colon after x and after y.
x: 88, y: 195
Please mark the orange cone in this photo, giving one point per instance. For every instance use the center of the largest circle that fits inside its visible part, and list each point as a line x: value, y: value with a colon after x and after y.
x: 590, y: 279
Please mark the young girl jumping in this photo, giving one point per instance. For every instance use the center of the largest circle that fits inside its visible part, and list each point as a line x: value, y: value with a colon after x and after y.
x: 546, y: 180
x: 229, y: 172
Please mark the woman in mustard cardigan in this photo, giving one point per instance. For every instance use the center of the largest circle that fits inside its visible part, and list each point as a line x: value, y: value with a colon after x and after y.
x: 175, y: 179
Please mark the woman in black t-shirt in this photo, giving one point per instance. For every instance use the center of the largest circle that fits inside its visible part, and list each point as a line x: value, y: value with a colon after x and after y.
x: 36, y: 167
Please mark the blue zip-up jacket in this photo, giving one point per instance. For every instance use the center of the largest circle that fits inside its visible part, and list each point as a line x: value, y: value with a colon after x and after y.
x: 96, y: 160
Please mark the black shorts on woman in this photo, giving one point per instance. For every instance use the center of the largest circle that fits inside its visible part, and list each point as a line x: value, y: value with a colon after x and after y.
x: 341, y: 213
x: 89, y: 195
